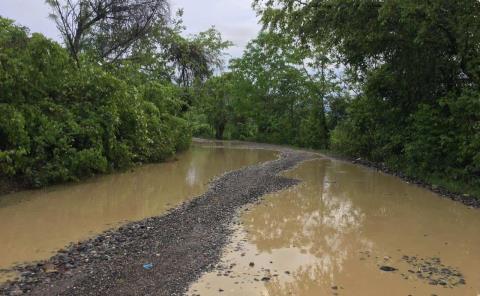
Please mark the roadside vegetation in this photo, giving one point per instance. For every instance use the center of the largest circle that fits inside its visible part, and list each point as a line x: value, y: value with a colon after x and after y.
x: 393, y: 82
x: 113, y: 96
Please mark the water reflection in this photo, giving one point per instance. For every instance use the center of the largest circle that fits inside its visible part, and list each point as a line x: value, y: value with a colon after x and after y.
x: 317, y: 220
x: 34, y: 224
x: 331, y: 234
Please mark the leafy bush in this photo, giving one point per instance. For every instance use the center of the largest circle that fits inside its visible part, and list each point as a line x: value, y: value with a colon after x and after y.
x: 61, y: 122
x: 439, y: 141
x: 445, y: 138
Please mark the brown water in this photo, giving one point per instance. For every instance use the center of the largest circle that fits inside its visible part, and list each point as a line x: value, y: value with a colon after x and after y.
x: 331, y: 234
x: 35, y: 224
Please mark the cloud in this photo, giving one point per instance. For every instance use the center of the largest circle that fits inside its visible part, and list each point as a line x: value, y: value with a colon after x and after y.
x: 235, y: 19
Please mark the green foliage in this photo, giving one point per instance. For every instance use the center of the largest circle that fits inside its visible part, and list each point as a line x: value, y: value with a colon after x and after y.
x: 14, y: 140
x: 446, y: 138
x: 216, y: 97
x: 414, y: 66
x: 313, y: 132
x: 61, y: 122
x: 370, y: 130
x: 197, y: 57
x: 274, y: 93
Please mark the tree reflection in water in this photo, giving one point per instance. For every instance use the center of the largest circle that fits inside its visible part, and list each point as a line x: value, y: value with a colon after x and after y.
x: 315, y: 219
x: 337, y: 228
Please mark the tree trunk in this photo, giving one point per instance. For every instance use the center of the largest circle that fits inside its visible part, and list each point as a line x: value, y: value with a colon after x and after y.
x: 219, y: 130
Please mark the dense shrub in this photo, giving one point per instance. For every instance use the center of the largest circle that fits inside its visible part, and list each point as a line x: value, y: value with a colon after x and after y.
x: 445, y: 138
x: 439, y: 141
x: 60, y: 122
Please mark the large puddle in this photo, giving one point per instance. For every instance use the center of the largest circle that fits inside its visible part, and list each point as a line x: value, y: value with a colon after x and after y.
x: 34, y: 224
x: 335, y: 232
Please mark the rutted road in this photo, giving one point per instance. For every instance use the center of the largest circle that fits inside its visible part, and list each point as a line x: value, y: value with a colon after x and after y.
x: 181, y: 245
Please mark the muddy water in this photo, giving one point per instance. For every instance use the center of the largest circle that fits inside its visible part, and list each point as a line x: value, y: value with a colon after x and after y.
x: 34, y: 224
x: 331, y: 234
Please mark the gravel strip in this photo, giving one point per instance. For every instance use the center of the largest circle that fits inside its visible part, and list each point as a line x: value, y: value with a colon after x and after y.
x: 161, y: 255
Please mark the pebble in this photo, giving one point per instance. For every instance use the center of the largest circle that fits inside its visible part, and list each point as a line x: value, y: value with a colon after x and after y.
x: 119, y: 254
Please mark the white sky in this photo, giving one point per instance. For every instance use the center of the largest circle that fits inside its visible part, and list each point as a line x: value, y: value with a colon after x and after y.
x: 235, y: 19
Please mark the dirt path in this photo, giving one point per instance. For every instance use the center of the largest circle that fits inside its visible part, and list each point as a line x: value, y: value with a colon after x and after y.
x: 180, y: 245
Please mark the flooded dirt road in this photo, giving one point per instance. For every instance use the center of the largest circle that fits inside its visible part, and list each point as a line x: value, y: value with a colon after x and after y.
x: 160, y: 255
x: 35, y: 224
x: 343, y: 229
x: 334, y: 233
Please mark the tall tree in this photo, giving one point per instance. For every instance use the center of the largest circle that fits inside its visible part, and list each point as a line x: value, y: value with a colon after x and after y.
x: 109, y: 27
x: 196, y: 57
x: 420, y: 50
x: 166, y: 53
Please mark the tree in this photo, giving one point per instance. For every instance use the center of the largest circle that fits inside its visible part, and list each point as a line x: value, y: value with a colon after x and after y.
x: 280, y: 89
x: 111, y: 28
x: 419, y: 50
x: 165, y: 53
x: 415, y: 66
x: 61, y: 123
x: 216, y: 102
x: 197, y: 57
